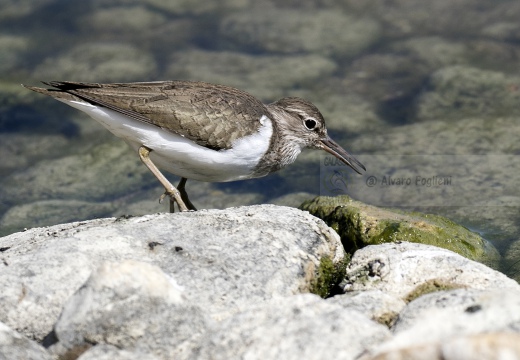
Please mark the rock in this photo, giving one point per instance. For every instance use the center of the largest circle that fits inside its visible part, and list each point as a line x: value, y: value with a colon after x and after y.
x: 99, y: 62
x: 494, y: 55
x: 465, y: 136
x: 132, y: 19
x: 15, y: 346
x: 458, y: 91
x: 131, y: 305
x: 324, y: 32
x: 12, y: 49
x: 480, y: 154
x: 457, y: 322
x: 405, y: 270
x: 299, y: 327
x: 109, y: 352
x: 266, y: 77
x: 198, y: 7
x: 434, y: 51
x: 150, y: 29
x: 511, y: 259
x: 390, y: 80
x: 58, y: 178
x: 360, y: 225
x: 227, y: 260
x: 45, y: 212
x: 417, y: 18
x: 491, y: 346
x: 374, y: 304
x: 15, y: 10
x: 20, y: 151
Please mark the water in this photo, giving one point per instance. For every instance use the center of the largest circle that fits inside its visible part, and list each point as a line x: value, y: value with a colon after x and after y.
x: 413, y: 88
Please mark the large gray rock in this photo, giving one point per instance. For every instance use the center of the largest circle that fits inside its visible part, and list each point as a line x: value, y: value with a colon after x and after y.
x: 226, y: 260
x: 14, y: 346
x: 433, y: 322
x: 375, y: 304
x: 133, y: 306
x: 300, y: 327
x: 489, y: 346
x: 110, y: 352
x: 405, y: 270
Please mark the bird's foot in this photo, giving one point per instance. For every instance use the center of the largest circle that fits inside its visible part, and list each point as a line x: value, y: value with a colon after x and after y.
x: 175, y: 197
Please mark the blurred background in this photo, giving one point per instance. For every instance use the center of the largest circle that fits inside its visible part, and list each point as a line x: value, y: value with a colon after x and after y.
x: 436, y: 82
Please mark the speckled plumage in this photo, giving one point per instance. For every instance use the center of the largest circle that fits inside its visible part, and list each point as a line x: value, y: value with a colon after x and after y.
x: 197, y: 110
x: 202, y: 131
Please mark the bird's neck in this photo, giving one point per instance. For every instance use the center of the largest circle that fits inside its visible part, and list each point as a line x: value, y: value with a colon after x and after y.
x: 284, y: 147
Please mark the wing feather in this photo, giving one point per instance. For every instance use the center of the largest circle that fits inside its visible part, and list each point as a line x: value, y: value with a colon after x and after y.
x: 210, y: 115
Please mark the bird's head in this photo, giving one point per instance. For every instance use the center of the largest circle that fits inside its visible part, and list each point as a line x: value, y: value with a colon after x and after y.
x: 303, y: 122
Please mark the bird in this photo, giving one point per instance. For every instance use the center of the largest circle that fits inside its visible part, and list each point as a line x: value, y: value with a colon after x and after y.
x: 201, y: 131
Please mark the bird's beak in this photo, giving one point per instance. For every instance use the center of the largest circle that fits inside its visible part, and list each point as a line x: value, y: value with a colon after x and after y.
x: 333, y: 148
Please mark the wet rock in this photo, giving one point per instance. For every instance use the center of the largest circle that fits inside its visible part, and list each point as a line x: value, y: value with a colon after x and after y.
x: 137, y: 24
x: 390, y: 80
x: 99, y: 62
x: 226, y: 260
x: 434, y: 51
x: 131, y: 305
x: 360, y: 225
x: 20, y: 151
x: 416, y: 18
x: 512, y: 256
x: 14, y: 9
x: 409, y: 271
x: 198, y: 7
x: 113, y: 169
x: 132, y: 19
x: 479, y: 154
x: 456, y: 92
x: 15, y: 346
x: 265, y: 76
x: 302, y: 326
x: 323, y: 32
x: 12, y: 50
x: 42, y: 213
x: 509, y: 31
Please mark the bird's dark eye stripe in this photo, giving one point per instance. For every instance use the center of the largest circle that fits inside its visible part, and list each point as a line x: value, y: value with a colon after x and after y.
x: 310, y: 124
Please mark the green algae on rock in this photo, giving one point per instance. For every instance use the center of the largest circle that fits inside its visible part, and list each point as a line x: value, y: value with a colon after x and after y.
x: 328, y: 275
x: 359, y: 225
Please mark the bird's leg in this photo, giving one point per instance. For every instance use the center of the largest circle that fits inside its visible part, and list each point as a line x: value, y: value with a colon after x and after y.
x: 171, y: 191
x: 184, y: 195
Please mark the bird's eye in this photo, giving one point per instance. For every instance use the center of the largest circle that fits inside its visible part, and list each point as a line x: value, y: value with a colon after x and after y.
x: 310, y: 124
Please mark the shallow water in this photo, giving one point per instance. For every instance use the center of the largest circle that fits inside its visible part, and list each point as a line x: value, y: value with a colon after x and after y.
x: 419, y: 91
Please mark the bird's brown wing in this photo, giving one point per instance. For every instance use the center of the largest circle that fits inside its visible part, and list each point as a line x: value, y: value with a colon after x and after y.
x: 210, y: 115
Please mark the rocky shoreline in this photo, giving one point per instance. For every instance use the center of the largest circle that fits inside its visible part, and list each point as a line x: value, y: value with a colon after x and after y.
x: 243, y: 283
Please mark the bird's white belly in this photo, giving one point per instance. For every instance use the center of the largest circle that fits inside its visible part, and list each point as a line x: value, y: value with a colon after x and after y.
x: 181, y: 156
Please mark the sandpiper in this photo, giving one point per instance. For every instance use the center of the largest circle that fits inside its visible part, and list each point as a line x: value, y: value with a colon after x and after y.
x: 202, y: 131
